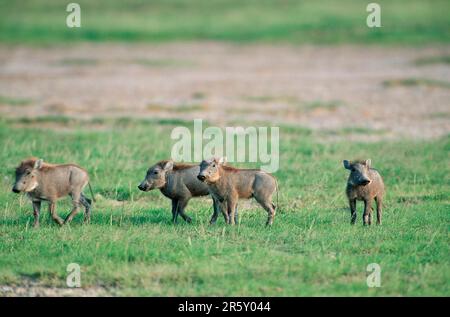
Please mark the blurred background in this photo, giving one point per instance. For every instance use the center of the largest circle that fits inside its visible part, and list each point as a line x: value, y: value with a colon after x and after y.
x: 313, y: 64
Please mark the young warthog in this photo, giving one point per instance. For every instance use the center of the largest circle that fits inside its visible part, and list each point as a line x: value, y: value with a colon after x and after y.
x: 177, y: 182
x: 49, y: 182
x: 366, y: 184
x: 227, y: 184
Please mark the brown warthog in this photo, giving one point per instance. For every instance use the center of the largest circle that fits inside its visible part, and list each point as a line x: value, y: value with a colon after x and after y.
x: 366, y: 184
x: 227, y: 184
x: 49, y: 182
x: 178, y: 182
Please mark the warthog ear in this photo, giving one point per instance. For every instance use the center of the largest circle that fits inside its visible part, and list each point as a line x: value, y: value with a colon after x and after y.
x: 168, y: 166
x: 38, y: 164
x: 222, y: 160
x: 368, y: 163
x: 346, y: 164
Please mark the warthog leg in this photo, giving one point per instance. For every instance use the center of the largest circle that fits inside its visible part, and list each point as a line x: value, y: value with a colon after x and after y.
x: 269, y: 207
x: 174, y: 210
x: 232, y: 205
x: 216, y: 210
x: 367, y: 211
x: 76, y: 197
x: 73, y: 212
x: 56, y: 218
x: 182, y: 204
x: 379, y: 201
x: 86, y: 202
x: 224, y: 209
x: 232, y: 209
x: 36, y: 213
x: 352, y: 203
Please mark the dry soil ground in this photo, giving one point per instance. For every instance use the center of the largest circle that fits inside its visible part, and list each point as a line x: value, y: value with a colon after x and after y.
x: 376, y: 92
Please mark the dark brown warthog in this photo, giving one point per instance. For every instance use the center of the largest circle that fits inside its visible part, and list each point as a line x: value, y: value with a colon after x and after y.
x: 178, y: 182
x: 366, y: 184
x: 49, y: 182
x: 228, y: 184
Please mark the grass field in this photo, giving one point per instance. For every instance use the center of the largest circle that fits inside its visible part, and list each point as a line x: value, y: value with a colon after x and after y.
x: 323, y: 21
x: 132, y: 248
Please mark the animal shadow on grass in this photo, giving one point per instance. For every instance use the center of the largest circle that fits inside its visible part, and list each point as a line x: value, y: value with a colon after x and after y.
x: 19, y: 221
x: 147, y: 216
x: 25, y: 219
x: 417, y: 199
x: 33, y: 277
x: 150, y: 216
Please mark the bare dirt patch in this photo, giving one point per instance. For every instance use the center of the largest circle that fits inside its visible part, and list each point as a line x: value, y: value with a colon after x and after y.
x: 29, y: 288
x: 322, y: 88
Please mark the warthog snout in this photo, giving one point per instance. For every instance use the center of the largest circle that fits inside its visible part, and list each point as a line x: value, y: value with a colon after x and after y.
x: 365, y: 182
x: 14, y: 189
x: 143, y: 186
x: 201, y: 177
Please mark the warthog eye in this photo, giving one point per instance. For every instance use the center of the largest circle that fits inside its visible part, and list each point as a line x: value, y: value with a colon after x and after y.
x: 155, y: 172
x: 214, y: 165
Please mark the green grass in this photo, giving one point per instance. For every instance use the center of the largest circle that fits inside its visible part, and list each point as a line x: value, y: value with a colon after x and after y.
x: 416, y: 82
x: 424, y: 61
x: 131, y: 248
x: 414, y: 22
x: 182, y: 108
x: 354, y: 131
x: 439, y: 115
x: 4, y: 100
x: 295, y: 104
x: 122, y: 122
x: 323, y: 105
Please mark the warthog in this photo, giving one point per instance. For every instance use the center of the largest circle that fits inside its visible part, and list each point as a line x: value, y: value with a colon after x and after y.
x: 178, y: 182
x: 228, y: 184
x: 49, y: 182
x: 366, y: 184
